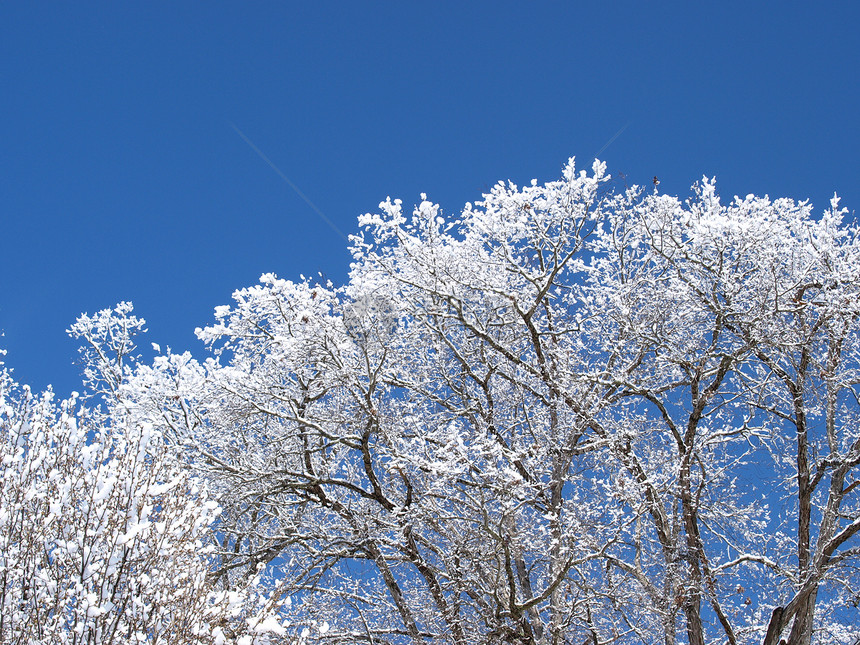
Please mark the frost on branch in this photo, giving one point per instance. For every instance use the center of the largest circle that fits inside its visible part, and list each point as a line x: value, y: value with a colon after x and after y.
x: 108, y: 346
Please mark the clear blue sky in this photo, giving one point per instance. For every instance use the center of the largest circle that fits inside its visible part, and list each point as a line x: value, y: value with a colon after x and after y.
x: 121, y: 177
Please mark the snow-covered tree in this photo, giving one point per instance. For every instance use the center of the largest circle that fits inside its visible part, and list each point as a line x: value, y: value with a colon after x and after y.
x: 568, y: 415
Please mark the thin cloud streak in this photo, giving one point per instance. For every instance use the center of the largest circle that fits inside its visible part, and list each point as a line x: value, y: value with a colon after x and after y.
x: 614, y: 137
x: 287, y: 180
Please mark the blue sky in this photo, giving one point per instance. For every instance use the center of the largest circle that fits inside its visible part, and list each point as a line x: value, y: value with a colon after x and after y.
x: 121, y: 177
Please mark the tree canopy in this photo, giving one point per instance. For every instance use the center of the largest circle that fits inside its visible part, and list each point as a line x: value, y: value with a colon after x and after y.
x: 576, y: 412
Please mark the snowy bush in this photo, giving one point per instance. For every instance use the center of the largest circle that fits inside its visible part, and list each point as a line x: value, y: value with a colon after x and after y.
x: 104, y: 537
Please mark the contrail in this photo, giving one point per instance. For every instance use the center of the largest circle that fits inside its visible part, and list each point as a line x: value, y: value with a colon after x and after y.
x: 614, y: 137
x: 290, y: 183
